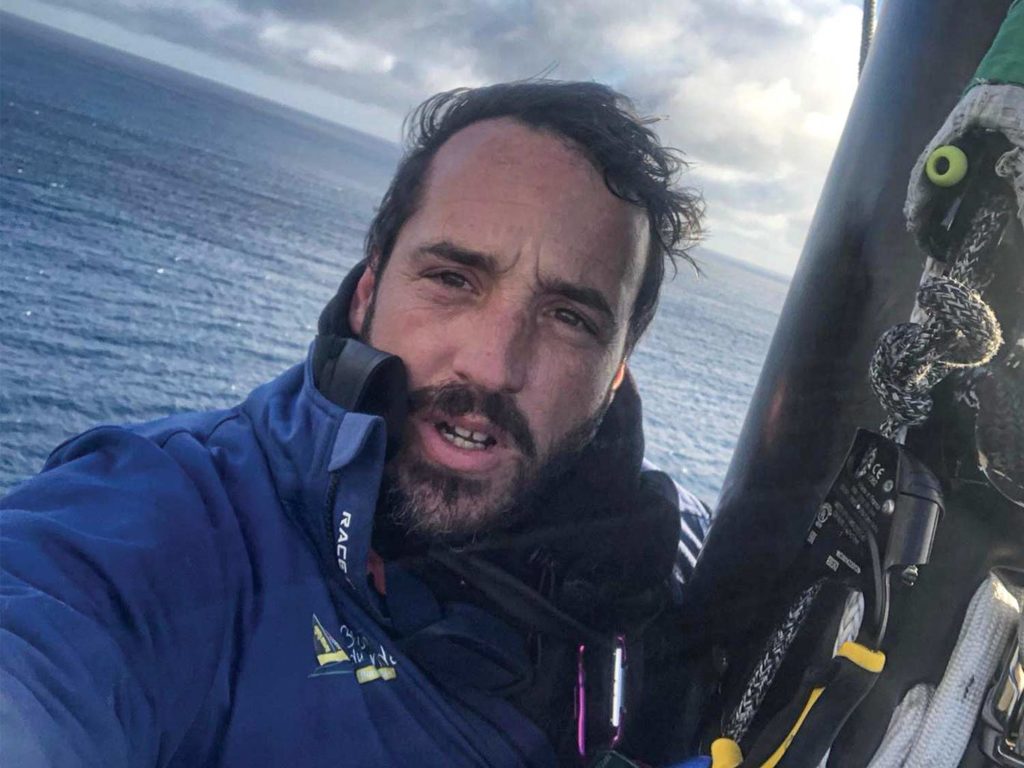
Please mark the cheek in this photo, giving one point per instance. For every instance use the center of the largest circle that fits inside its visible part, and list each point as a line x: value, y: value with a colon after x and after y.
x: 417, y: 335
x: 563, y: 394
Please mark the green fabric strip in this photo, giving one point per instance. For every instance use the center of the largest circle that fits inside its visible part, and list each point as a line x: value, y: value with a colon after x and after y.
x: 1004, y: 62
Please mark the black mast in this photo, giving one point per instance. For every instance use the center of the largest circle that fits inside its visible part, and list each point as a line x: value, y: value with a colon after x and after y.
x: 857, y: 276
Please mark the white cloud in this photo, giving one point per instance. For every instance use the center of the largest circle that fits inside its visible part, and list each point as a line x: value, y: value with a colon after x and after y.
x: 444, y: 76
x: 762, y: 123
x: 325, y: 48
x: 650, y: 38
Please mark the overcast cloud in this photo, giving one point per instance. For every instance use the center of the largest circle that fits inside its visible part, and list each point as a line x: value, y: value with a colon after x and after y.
x: 755, y: 92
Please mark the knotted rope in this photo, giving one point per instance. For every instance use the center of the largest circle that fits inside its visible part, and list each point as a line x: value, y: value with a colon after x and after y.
x: 961, y: 330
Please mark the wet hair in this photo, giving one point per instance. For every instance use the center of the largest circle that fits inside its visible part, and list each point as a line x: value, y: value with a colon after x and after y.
x: 597, y: 120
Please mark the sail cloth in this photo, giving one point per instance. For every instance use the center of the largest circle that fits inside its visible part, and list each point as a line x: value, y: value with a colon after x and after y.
x: 993, y: 101
x: 1004, y: 62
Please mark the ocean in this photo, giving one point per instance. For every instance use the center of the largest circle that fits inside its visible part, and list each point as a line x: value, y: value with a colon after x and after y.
x: 166, y: 244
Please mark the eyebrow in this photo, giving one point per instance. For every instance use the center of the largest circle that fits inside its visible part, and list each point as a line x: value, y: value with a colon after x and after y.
x: 464, y: 256
x: 583, y: 295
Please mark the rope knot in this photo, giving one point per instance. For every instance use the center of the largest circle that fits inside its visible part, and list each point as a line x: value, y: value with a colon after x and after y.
x: 961, y: 332
x: 963, y: 327
x: 960, y: 329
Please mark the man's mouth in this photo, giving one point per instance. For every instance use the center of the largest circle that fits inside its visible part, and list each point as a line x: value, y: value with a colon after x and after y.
x: 467, y: 421
x: 463, y: 444
x: 470, y: 440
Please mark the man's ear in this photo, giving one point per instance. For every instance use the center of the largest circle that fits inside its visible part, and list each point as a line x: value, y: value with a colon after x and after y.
x: 620, y: 375
x: 363, y: 296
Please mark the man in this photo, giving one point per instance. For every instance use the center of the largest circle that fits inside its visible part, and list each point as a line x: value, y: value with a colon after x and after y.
x: 429, y: 545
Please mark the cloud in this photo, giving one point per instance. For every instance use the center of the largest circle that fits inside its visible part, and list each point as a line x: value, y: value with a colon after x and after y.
x: 754, y: 91
x: 326, y: 48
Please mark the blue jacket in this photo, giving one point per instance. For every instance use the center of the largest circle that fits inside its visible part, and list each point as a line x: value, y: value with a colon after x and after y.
x: 180, y: 594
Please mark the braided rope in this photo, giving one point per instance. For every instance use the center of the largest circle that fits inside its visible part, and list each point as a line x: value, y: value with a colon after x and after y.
x: 960, y: 330
x: 764, y: 673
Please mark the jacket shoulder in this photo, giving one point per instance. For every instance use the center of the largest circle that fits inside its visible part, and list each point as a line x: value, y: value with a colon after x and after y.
x: 134, y: 498
x: 694, y: 519
x: 122, y: 568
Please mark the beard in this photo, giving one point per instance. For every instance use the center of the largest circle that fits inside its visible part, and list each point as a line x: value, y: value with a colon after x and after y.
x: 436, y: 504
x: 428, y: 503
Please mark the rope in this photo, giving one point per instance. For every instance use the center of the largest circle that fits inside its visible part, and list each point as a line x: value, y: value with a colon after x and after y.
x: 867, y: 31
x: 771, y: 659
x: 851, y: 621
x: 959, y: 330
x: 849, y: 628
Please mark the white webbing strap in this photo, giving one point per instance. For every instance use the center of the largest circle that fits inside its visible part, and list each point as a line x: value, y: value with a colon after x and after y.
x: 931, y: 730
x: 904, y: 727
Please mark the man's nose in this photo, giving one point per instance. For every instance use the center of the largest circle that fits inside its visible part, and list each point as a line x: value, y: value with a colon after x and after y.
x: 495, y: 350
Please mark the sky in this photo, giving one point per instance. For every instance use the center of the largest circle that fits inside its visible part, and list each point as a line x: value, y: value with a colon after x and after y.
x: 754, y: 92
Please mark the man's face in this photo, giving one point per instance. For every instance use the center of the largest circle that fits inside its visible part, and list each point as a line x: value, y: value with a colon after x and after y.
x: 507, y: 295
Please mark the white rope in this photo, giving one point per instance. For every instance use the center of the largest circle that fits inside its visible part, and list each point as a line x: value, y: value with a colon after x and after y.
x: 849, y: 627
x: 851, y: 621
x: 932, y: 731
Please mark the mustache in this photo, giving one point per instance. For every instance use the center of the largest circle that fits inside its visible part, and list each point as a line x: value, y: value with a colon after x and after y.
x: 455, y: 399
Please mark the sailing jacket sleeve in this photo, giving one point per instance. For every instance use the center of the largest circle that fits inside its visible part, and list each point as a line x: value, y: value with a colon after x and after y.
x: 111, y: 619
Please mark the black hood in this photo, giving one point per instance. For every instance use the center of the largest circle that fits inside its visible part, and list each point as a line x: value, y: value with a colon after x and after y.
x: 333, y: 320
x: 354, y: 375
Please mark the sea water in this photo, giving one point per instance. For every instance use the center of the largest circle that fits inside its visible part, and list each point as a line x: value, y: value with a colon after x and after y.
x: 167, y: 245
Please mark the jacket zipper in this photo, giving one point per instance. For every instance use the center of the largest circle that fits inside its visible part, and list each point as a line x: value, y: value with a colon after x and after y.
x: 332, y: 496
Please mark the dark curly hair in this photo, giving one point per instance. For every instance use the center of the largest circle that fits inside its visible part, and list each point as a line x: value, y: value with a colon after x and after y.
x: 601, y: 123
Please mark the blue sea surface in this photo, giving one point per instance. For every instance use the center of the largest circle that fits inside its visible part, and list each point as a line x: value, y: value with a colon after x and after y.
x: 166, y: 244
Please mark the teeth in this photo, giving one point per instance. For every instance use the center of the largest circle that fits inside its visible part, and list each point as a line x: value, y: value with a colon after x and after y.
x: 464, y: 438
x: 468, y: 444
x: 461, y: 442
x: 465, y: 434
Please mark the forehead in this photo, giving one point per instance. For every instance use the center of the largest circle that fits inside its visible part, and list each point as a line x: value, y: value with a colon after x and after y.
x: 516, y: 191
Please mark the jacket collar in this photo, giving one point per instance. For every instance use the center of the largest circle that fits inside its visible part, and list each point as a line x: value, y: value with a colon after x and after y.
x: 314, y: 447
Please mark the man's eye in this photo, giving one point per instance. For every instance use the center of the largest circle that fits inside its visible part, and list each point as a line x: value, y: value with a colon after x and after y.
x: 574, y: 320
x: 450, y: 279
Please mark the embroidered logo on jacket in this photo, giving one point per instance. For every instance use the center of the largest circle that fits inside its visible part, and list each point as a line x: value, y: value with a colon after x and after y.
x: 341, y: 545
x: 352, y: 655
